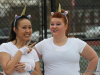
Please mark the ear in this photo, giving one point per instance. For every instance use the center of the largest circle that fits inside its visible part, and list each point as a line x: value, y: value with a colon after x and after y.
x: 14, y: 29
x: 66, y: 26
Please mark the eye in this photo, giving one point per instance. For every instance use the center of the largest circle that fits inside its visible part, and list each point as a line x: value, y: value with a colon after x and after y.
x: 58, y: 23
x: 24, y: 27
x: 52, y: 24
x: 30, y: 27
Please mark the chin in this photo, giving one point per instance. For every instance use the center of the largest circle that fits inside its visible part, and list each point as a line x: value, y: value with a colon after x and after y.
x: 26, y: 39
x: 55, y: 34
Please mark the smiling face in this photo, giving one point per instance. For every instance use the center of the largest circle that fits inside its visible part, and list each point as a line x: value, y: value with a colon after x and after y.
x: 24, y: 30
x: 58, y: 27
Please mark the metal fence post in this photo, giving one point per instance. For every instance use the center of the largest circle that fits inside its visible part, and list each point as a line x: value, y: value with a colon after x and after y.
x: 45, y: 19
x: 52, y: 6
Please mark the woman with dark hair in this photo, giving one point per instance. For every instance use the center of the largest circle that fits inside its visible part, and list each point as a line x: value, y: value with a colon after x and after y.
x: 61, y: 53
x: 16, y: 56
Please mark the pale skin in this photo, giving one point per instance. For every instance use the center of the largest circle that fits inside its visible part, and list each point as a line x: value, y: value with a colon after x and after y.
x: 90, y: 55
x: 23, y: 34
x: 58, y: 29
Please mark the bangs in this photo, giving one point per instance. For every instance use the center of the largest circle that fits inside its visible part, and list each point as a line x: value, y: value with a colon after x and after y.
x: 57, y: 15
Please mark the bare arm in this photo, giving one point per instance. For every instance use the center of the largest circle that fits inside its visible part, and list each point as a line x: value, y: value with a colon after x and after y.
x: 20, y: 67
x: 37, y: 52
x: 37, y: 69
x: 90, y: 55
x: 7, y: 63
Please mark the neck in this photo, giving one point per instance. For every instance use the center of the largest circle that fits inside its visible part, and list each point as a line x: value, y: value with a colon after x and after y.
x: 19, y: 43
x: 60, y: 41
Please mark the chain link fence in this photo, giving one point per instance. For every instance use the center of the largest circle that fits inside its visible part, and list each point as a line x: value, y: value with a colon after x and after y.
x: 8, y: 10
x: 84, y: 20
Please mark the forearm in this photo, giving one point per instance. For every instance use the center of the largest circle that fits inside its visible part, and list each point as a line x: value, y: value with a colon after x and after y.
x: 35, y: 73
x: 10, y: 67
x: 91, y: 66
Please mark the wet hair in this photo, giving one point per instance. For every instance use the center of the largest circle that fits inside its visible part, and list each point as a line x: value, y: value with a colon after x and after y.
x: 12, y: 34
x: 60, y: 15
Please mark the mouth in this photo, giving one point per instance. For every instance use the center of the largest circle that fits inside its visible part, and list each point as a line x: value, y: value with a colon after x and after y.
x: 55, y: 30
x: 27, y: 35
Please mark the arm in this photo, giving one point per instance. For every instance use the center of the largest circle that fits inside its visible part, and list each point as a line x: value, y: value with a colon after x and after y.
x: 37, y: 69
x: 7, y: 63
x: 98, y: 68
x: 22, y: 67
x: 37, y: 52
x: 90, y: 55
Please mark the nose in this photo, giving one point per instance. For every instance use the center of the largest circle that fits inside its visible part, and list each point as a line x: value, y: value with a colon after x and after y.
x: 27, y: 30
x: 55, y: 26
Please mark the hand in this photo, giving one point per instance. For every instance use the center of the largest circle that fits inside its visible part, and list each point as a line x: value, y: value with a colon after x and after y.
x: 30, y: 49
x: 22, y: 67
x: 27, y: 48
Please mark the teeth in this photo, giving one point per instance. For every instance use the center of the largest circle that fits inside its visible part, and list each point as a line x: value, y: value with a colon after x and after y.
x: 26, y: 35
x: 54, y: 30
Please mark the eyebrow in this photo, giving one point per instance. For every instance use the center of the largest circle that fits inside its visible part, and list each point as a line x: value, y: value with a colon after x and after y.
x: 59, y: 23
x: 25, y: 25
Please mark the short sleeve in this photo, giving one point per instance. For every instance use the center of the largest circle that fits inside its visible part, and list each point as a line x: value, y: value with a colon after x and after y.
x: 35, y: 55
x: 3, y: 48
x: 39, y: 47
x: 81, y: 45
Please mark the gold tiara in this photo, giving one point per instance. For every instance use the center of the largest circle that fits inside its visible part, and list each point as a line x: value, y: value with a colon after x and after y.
x: 23, y: 12
x: 59, y: 9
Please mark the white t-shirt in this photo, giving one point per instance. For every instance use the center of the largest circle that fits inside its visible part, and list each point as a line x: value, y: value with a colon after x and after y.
x: 61, y: 60
x: 30, y: 58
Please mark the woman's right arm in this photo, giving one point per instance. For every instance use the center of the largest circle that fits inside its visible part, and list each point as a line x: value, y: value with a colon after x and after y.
x: 7, y: 63
x: 37, y: 52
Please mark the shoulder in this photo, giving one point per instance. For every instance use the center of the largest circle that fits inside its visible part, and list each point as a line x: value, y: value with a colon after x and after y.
x: 48, y: 39
x: 34, y: 53
x: 4, y: 47
x: 78, y: 44
x: 72, y: 39
x: 40, y: 47
x: 5, y: 44
x: 76, y: 41
x: 45, y: 41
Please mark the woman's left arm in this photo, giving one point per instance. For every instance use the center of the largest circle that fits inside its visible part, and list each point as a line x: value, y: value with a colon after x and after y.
x: 37, y: 69
x: 90, y: 55
x: 22, y: 67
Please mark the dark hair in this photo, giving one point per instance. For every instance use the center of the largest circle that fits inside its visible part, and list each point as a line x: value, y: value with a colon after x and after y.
x: 60, y: 15
x: 12, y: 34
